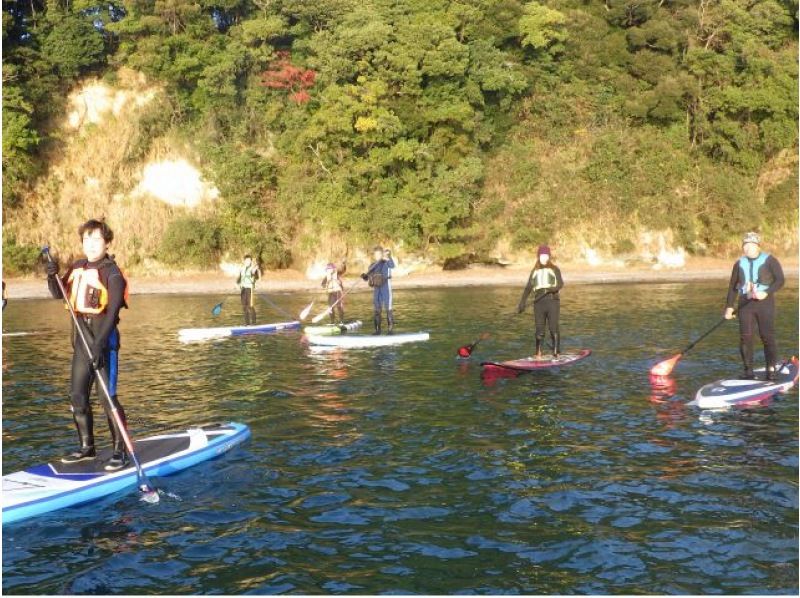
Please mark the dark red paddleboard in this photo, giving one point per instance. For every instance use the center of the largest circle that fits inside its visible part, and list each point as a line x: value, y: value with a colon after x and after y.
x: 531, y: 364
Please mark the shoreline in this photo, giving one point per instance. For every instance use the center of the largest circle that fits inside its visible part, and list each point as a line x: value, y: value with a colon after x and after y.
x: 286, y: 281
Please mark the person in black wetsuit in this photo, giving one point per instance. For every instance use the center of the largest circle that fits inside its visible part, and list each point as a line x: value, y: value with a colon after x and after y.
x: 755, y: 279
x: 97, y: 291
x: 545, y: 282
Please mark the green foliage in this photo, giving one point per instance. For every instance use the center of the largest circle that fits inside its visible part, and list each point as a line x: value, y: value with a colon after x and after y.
x: 190, y: 242
x: 18, y: 258
x: 434, y: 122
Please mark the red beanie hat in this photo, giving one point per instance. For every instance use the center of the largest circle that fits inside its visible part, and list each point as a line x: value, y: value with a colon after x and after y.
x: 544, y: 250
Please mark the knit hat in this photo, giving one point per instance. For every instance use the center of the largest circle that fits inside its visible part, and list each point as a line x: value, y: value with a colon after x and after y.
x: 331, y: 266
x: 543, y: 250
x: 751, y: 237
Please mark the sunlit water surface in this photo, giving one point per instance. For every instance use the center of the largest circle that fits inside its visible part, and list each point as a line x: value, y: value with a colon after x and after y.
x: 399, y: 470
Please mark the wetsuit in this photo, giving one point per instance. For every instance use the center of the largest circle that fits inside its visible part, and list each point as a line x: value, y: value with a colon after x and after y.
x: 378, y: 276
x: 763, y: 273
x: 104, y: 340
x: 248, y: 276
x: 545, y: 282
x: 335, y: 288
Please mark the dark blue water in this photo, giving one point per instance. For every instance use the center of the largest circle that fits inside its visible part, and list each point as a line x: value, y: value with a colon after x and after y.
x: 398, y: 470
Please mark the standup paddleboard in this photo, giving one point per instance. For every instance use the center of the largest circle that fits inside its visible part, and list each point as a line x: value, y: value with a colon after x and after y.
x: 530, y: 364
x: 743, y: 393
x: 366, y: 340
x: 189, y: 335
x: 332, y: 329
x: 53, y: 486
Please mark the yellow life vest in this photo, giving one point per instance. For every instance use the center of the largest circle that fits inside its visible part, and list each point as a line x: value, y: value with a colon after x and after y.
x: 88, y: 295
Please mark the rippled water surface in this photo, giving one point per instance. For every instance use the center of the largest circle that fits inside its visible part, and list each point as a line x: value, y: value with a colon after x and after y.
x: 399, y: 470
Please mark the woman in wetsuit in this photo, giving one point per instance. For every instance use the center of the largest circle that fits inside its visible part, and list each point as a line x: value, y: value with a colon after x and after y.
x: 544, y: 282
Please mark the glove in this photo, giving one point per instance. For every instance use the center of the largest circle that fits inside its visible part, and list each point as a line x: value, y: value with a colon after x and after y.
x: 364, y: 277
x: 52, y: 268
x: 98, y: 356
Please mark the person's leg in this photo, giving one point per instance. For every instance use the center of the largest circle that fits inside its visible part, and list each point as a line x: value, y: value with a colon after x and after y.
x: 340, y: 306
x: 376, y: 305
x: 331, y: 302
x: 746, y: 323
x: 765, y: 316
x: 553, y: 316
x: 80, y: 385
x: 245, y: 297
x: 389, y: 307
x: 252, y: 304
x: 109, y: 372
x: 540, y: 319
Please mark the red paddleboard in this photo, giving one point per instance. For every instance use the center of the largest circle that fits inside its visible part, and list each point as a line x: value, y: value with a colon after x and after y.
x: 530, y: 364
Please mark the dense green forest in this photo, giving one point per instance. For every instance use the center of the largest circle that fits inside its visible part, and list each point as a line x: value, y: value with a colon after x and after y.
x: 446, y: 125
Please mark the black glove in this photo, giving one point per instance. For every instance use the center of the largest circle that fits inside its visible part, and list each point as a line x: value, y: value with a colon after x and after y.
x: 364, y: 277
x: 98, y: 356
x: 52, y: 268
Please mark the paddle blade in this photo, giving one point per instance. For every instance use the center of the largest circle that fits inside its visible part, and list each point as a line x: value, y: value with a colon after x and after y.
x: 466, y: 350
x: 306, y: 311
x: 664, y: 368
x: 319, y: 317
x: 215, y: 311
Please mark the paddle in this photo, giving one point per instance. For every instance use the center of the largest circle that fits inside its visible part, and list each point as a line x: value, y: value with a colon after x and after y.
x: 665, y: 367
x: 320, y: 316
x: 466, y: 350
x: 150, y: 494
x: 217, y: 309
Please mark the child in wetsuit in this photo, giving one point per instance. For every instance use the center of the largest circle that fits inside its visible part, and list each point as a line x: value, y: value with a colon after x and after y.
x: 97, y: 290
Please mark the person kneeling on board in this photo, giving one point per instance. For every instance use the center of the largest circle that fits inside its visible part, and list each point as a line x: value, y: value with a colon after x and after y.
x: 335, y: 287
x: 248, y: 275
x: 97, y: 291
x: 545, y: 282
x: 755, y: 279
x: 377, y: 276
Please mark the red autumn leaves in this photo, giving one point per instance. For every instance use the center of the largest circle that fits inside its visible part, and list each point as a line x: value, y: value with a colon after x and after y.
x: 284, y: 75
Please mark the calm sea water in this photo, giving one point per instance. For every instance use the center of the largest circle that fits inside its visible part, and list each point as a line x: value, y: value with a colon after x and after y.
x: 398, y: 470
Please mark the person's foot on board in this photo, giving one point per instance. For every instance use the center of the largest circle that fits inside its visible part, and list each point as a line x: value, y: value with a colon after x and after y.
x: 748, y: 374
x: 117, y: 461
x: 85, y: 453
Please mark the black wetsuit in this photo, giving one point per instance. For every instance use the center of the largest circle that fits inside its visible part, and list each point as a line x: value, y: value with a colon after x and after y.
x: 752, y: 312
x: 546, y: 307
x: 103, y: 336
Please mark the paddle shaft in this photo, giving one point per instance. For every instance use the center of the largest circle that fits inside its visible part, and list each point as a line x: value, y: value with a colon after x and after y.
x: 329, y: 309
x: 143, y: 481
x: 710, y: 330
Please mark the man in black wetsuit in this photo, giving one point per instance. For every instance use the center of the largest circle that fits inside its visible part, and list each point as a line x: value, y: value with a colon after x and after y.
x: 755, y: 279
x: 97, y: 291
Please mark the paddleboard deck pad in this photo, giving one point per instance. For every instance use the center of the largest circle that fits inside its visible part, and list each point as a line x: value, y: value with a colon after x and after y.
x: 45, y: 488
x: 360, y: 341
x: 723, y: 394
x: 531, y: 364
x: 189, y: 335
x: 332, y: 329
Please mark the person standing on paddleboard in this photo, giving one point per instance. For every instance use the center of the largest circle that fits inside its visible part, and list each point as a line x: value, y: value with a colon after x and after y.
x: 97, y: 290
x: 545, y: 282
x: 377, y: 276
x: 335, y: 287
x: 755, y: 279
x: 248, y: 275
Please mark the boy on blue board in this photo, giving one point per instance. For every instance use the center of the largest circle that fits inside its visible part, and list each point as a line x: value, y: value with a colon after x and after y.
x: 377, y: 276
x: 248, y: 275
x: 755, y: 279
x: 97, y: 290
